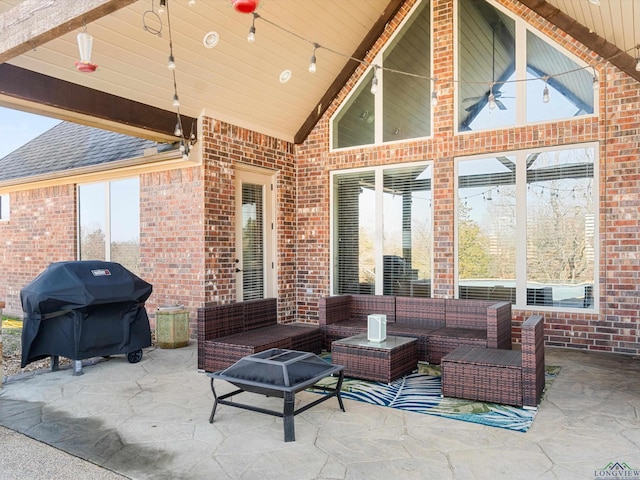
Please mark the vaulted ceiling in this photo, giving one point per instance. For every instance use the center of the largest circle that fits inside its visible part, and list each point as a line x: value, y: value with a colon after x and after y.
x: 234, y: 80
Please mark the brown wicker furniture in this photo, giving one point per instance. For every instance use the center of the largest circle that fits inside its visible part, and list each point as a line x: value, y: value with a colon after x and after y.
x: 226, y: 333
x: 439, y: 325
x: 500, y: 376
x: 377, y: 361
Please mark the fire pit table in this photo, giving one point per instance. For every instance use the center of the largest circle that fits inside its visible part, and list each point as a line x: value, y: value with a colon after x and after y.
x: 278, y: 373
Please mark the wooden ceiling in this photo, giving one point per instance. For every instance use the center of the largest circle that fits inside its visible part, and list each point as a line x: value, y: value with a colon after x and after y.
x: 237, y: 81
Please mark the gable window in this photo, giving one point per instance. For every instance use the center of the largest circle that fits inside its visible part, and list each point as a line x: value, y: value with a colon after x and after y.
x: 508, y: 75
x: 109, y: 216
x: 382, y: 231
x: 4, y: 207
x: 400, y: 108
x: 526, y: 227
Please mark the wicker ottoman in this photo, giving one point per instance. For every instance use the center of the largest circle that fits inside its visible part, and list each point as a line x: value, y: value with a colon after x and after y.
x: 376, y: 361
x: 485, y: 374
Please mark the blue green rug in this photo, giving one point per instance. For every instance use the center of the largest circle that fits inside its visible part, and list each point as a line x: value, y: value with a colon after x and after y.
x: 421, y: 392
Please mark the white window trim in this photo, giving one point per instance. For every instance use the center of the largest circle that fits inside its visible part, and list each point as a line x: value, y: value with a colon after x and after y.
x: 377, y: 60
x: 521, y: 27
x: 521, y: 212
x: 379, y: 194
x: 5, y: 207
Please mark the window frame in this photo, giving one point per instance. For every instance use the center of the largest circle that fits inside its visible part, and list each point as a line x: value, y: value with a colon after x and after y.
x: 108, y: 205
x: 5, y: 207
x: 521, y: 81
x: 378, y: 172
x: 378, y: 100
x: 521, y: 226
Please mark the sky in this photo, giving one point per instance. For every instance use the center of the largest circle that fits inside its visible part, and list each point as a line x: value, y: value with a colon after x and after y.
x: 18, y: 128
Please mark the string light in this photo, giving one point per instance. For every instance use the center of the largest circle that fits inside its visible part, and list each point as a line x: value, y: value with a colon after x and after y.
x: 312, y: 62
x: 176, y: 101
x: 162, y: 7
x: 596, y: 83
x: 637, y: 59
x: 171, y: 64
x: 492, y: 98
x: 252, y: 31
x: 192, y: 3
x: 545, y: 92
x: 374, y: 80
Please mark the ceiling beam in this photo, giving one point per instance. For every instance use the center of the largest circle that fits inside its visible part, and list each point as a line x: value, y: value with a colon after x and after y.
x: 582, y: 34
x: 89, y: 106
x: 348, y: 70
x: 32, y: 23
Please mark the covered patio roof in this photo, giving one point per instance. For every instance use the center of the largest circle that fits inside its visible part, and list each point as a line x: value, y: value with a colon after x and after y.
x: 234, y: 81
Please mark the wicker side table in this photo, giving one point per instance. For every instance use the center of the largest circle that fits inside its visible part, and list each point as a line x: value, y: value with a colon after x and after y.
x: 376, y: 361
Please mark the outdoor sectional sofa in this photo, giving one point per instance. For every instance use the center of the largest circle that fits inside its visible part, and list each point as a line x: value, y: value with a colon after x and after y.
x: 228, y: 332
x: 439, y: 325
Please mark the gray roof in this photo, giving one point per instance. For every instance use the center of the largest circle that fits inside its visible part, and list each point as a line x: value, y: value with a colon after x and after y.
x: 67, y: 146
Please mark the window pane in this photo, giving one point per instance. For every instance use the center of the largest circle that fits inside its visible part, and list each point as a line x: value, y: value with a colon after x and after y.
x: 125, y: 223
x: 252, y: 242
x: 355, y: 124
x: 92, y: 206
x: 4, y: 207
x: 407, y: 99
x: 486, y: 56
x: 561, y: 228
x: 570, y: 94
x: 354, y: 233
x: 486, y: 228
x: 407, y: 231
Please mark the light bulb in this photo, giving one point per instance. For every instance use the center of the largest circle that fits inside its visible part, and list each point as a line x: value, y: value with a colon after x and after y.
x: 312, y: 64
x: 638, y: 64
x: 252, y: 34
x: 596, y: 83
x: 162, y: 7
x: 192, y: 3
x: 492, y: 101
x: 176, y: 101
x: 434, y: 98
x: 178, y: 131
x: 171, y: 64
x: 545, y: 94
x: 374, y: 84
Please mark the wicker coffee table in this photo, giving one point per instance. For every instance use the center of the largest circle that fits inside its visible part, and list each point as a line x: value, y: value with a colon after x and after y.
x: 377, y: 361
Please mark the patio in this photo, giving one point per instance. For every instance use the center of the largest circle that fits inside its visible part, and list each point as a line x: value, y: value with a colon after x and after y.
x: 150, y: 420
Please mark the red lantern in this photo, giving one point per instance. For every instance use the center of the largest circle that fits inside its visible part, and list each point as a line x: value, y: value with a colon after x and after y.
x: 245, y: 6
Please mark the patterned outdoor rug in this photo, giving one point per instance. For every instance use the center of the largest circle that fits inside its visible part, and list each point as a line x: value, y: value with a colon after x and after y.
x: 420, y: 392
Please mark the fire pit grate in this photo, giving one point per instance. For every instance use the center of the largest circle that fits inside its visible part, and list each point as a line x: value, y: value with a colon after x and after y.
x: 277, y: 373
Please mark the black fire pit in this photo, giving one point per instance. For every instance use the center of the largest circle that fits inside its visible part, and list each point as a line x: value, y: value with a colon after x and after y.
x: 84, y: 309
x: 278, y: 373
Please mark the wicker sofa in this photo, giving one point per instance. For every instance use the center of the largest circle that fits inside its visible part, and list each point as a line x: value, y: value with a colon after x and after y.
x: 439, y: 325
x: 226, y: 333
x: 501, y: 376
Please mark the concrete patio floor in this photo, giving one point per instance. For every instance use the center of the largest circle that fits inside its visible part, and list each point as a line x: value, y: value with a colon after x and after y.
x: 150, y: 420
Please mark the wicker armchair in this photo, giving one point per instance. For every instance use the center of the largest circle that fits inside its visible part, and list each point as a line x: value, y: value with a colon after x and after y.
x: 500, y: 376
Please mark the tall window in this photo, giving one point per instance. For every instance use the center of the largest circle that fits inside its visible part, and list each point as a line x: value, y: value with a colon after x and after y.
x: 382, y: 231
x: 526, y: 227
x: 401, y: 107
x: 109, y: 216
x: 508, y: 75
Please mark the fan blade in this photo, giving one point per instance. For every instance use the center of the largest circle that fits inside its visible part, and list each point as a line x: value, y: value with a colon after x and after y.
x: 500, y: 105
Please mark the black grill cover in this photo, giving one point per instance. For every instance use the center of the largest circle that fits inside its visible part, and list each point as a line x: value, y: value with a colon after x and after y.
x: 84, y: 309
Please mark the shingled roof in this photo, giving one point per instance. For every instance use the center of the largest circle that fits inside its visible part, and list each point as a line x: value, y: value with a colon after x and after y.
x: 68, y: 146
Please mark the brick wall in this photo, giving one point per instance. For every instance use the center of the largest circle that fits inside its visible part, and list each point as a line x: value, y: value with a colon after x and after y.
x: 224, y: 147
x: 171, y: 239
x: 615, y: 327
x: 41, y: 230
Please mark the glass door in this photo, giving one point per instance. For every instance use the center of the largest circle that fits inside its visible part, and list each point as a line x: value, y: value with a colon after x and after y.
x: 255, y: 267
